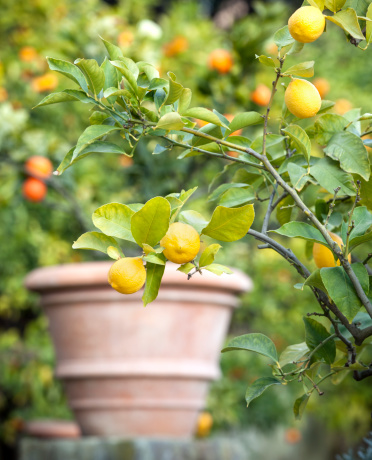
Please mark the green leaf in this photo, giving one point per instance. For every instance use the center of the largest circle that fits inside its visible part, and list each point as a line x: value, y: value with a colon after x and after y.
x: 284, y: 210
x: 230, y: 224
x: 242, y: 120
x: 151, y: 223
x: 298, y: 175
x: 330, y: 176
x: 185, y: 100
x: 128, y: 74
x: 91, y: 134
x: 154, y: 259
x: 203, y: 114
x: 334, y: 5
x: 95, y: 241
x: 64, y: 96
x: 301, y: 230
x: 293, y: 353
x: 360, y: 6
x: 283, y: 38
x: 327, y: 125
x: 296, y: 48
x: 304, y: 69
x: 317, y: 3
x: 325, y: 106
x: 341, y: 290
x: 369, y: 25
x: 68, y: 70
x: 265, y: 60
x: 349, y: 149
x: 154, y: 275
x: 145, y: 67
x: 194, y: 219
x: 97, y: 118
x: 237, y: 196
x: 315, y: 280
x: 218, y: 269
x: 114, y: 219
x: 300, y: 140
x: 300, y: 405
x: 362, y: 222
x: 348, y: 20
x: 258, y: 343
x: 315, y: 333
x: 175, y: 89
x: 221, y: 189
x: 170, y: 121
x: 209, y: 254
x: 271, y: 141
x: 186, y: 268
x: 360, y: 240
x: 210, y: 129
x: 258, y: 387
x: 113, y: 252
x: 94, y: 75
x: 111, y: 78
x: 366, y: 193
x: 114, y: 51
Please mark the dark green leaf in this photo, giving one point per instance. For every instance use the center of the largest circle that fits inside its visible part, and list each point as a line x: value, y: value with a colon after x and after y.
x: 315, y: 334
x: 300, y: 405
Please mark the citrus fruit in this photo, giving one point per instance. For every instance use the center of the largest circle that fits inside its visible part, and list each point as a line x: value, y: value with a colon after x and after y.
x: 342, y: 106
x: 125, y: 38
x: 302, y: 98
x: 323, y: 257
x: 204, y: 424
x: 177, y: 46
x: 39, y: 166
x: 34, y: 189
x: 261, y: 95
x: 292, y: 435
x: 220, y: 60
x: 322, y: 85
x: 27, y: 54
x: 181, y: 243
x: 3, y: 94
x: 127, y: 275
x: 306, y: 24
x: 230, y: 117
x: 46, y: 82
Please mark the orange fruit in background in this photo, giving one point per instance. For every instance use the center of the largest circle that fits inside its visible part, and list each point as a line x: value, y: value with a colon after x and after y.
x: 323, y: 257
x: 34, y: 189
x: 126, y: 161
x: 220, y: 60
x: 3, y: 94
x: 204, y: 424
x: 230, y: 117
x: 28, y: 54
x: 261, y: 95
x: 125, y: 38
x: 177, y: 46
x: 293, y: 435
x: 200, y: 123
x: 39, y: 166
x: 46, y: 82
x: 322, y: 85
x: 342, y: 106
x: 271, y: 48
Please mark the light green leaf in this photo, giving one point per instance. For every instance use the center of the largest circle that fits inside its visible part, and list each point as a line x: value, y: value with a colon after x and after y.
x: 128, y: 74
x: 203, y: 114
x: 293, y: 353
x: 154, y: 275
x: 325, y: 106
x: 237, y: 196
x: 186, y: 268
x: 360, y: 6
x: 113, y: 252
x: 317, y: 3
x: 298, y: 175
x: 94, y: 75
x: 329, y: 175
x: 170, y: 121
x: 114, y: 51
x: 64, y: 96
x: 301, y: 230
x: 148, y: 69
x: 271, y: 141
x: 258, y: 343
x: 315, y: 333
x: 218, y: 269
x: 304, y: 69
x: 111, y: 77
x: 369, y: 25
x: 315, y: 280
x: 327, y: 125
x: 154, y: 259
x: 283, y: 38
x: 114, y: 219
x: 91, y: 134
x: 175, y: 89
x: 265, y: 60
x: 185, y: 100
x: 334, y: 5
x: 362, y: 222
x: 194, y: 219
x: 230, y: 224
x: 348, y: 20
x: 97, y: 118
x: 349, y: 149
x: 366, y: 193
x: 151, y: 223
x: 300, y: 405
x: 258, y: 387
x: 68, y: 70
x: 209, y: 254
x: 95, y: 241
x: 241, y: 120
x: 300, y: 140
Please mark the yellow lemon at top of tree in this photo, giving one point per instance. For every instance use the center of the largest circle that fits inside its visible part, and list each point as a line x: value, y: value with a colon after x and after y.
x: 127, y: 275
x: 306, y: 24
x: 302, y: 98
x: 181, y: 243
x: 323, y: 257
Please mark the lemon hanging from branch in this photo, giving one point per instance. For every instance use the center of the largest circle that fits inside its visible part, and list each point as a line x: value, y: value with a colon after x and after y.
x: 302, y: 98
x: 181, y: 243
x: 306, y: 24
x: 127, y: 275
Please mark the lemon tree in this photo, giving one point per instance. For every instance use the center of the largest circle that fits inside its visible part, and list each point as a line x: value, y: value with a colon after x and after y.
x: 307, y: 174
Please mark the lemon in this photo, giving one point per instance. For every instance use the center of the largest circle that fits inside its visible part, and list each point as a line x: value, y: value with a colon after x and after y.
x: 306, y: 24
x: 204, y: 424
x: 127, y: 275
x: 323, y: 257
x: 181, y: 243
x: 302, y: 98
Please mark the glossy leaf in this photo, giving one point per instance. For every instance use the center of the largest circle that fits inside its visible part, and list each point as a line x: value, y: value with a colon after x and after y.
x: 298, y: 175
x: 255, y: 342
x: 209, y: 254
x: 185, y: 100
x: 284, y: 210
x: 175, y: 89
x: 293, y: 353
x: 348, y: 20
x: 267, y: 61
x: 334, y: 5
x: 300, y: 140
x: 315, y: 333
x: 315, y: 280
x: 68, y: 70
x: 203, y: 114
x: 154, y: 259
x: 258, y: 387
x: 301, y: 230
x: 304, y: 69
x: 114, y: 51
x: 362, y: 222
x: 113, y: 219
x: 237, y: 196
x: 327, y: 125
x: 170, y: 121
x: 154, y: 275
x: 330, y: 176
x: 242, y: 120
x: 95, y: 241
x: 93, y: 73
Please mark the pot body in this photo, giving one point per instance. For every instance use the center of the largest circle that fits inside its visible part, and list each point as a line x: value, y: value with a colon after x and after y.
x: 130, y: 370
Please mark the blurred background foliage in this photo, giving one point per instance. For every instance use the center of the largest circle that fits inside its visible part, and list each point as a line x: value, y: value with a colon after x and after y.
x: 178, y: 36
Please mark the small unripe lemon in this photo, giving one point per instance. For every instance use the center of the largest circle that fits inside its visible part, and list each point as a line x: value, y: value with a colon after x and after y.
x: 323, y: 257
x: 181, y: 243
x: 306, y: 24
x: 302, y: 98
x: 127, y: 275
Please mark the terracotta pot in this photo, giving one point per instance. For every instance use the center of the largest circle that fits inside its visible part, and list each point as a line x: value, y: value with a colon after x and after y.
x: 130, y: 370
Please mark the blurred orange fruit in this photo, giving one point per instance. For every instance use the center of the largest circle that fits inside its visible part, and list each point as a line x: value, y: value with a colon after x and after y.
x: 125, y: 38
x: 39, y: 166
x: 34, y: 189
x: 230, y: 117
x: 204, y: 424
x: 220, y: 60
x: 271, y: 48
x: 261, y: 95
x: 28, y: 54
x: 342, y: 106
x: 293, y: 435
x: 126, y: 161
x: 177, y: 46
x: 3, y: 94
x: 46, y: 82
x: 200, y: 123
x: 322, y: 85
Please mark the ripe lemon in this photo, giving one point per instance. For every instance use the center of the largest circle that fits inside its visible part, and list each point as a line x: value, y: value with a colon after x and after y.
x: 181, y: 243
x: 127, y: 275
x: 302, y: 98
x: 323, y: 257
x: 306, y: 24
x: 204, y: 424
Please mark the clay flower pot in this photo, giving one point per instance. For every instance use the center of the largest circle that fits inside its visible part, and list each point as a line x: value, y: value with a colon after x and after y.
x: 130, y: 370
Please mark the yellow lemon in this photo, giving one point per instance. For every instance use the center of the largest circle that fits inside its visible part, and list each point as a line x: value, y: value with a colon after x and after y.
x: 306, y: 24
x: 181, y: 243
x: 302, y: 98
x: 323, y: 257
x: 127, y: 275
x: 204, y: 424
